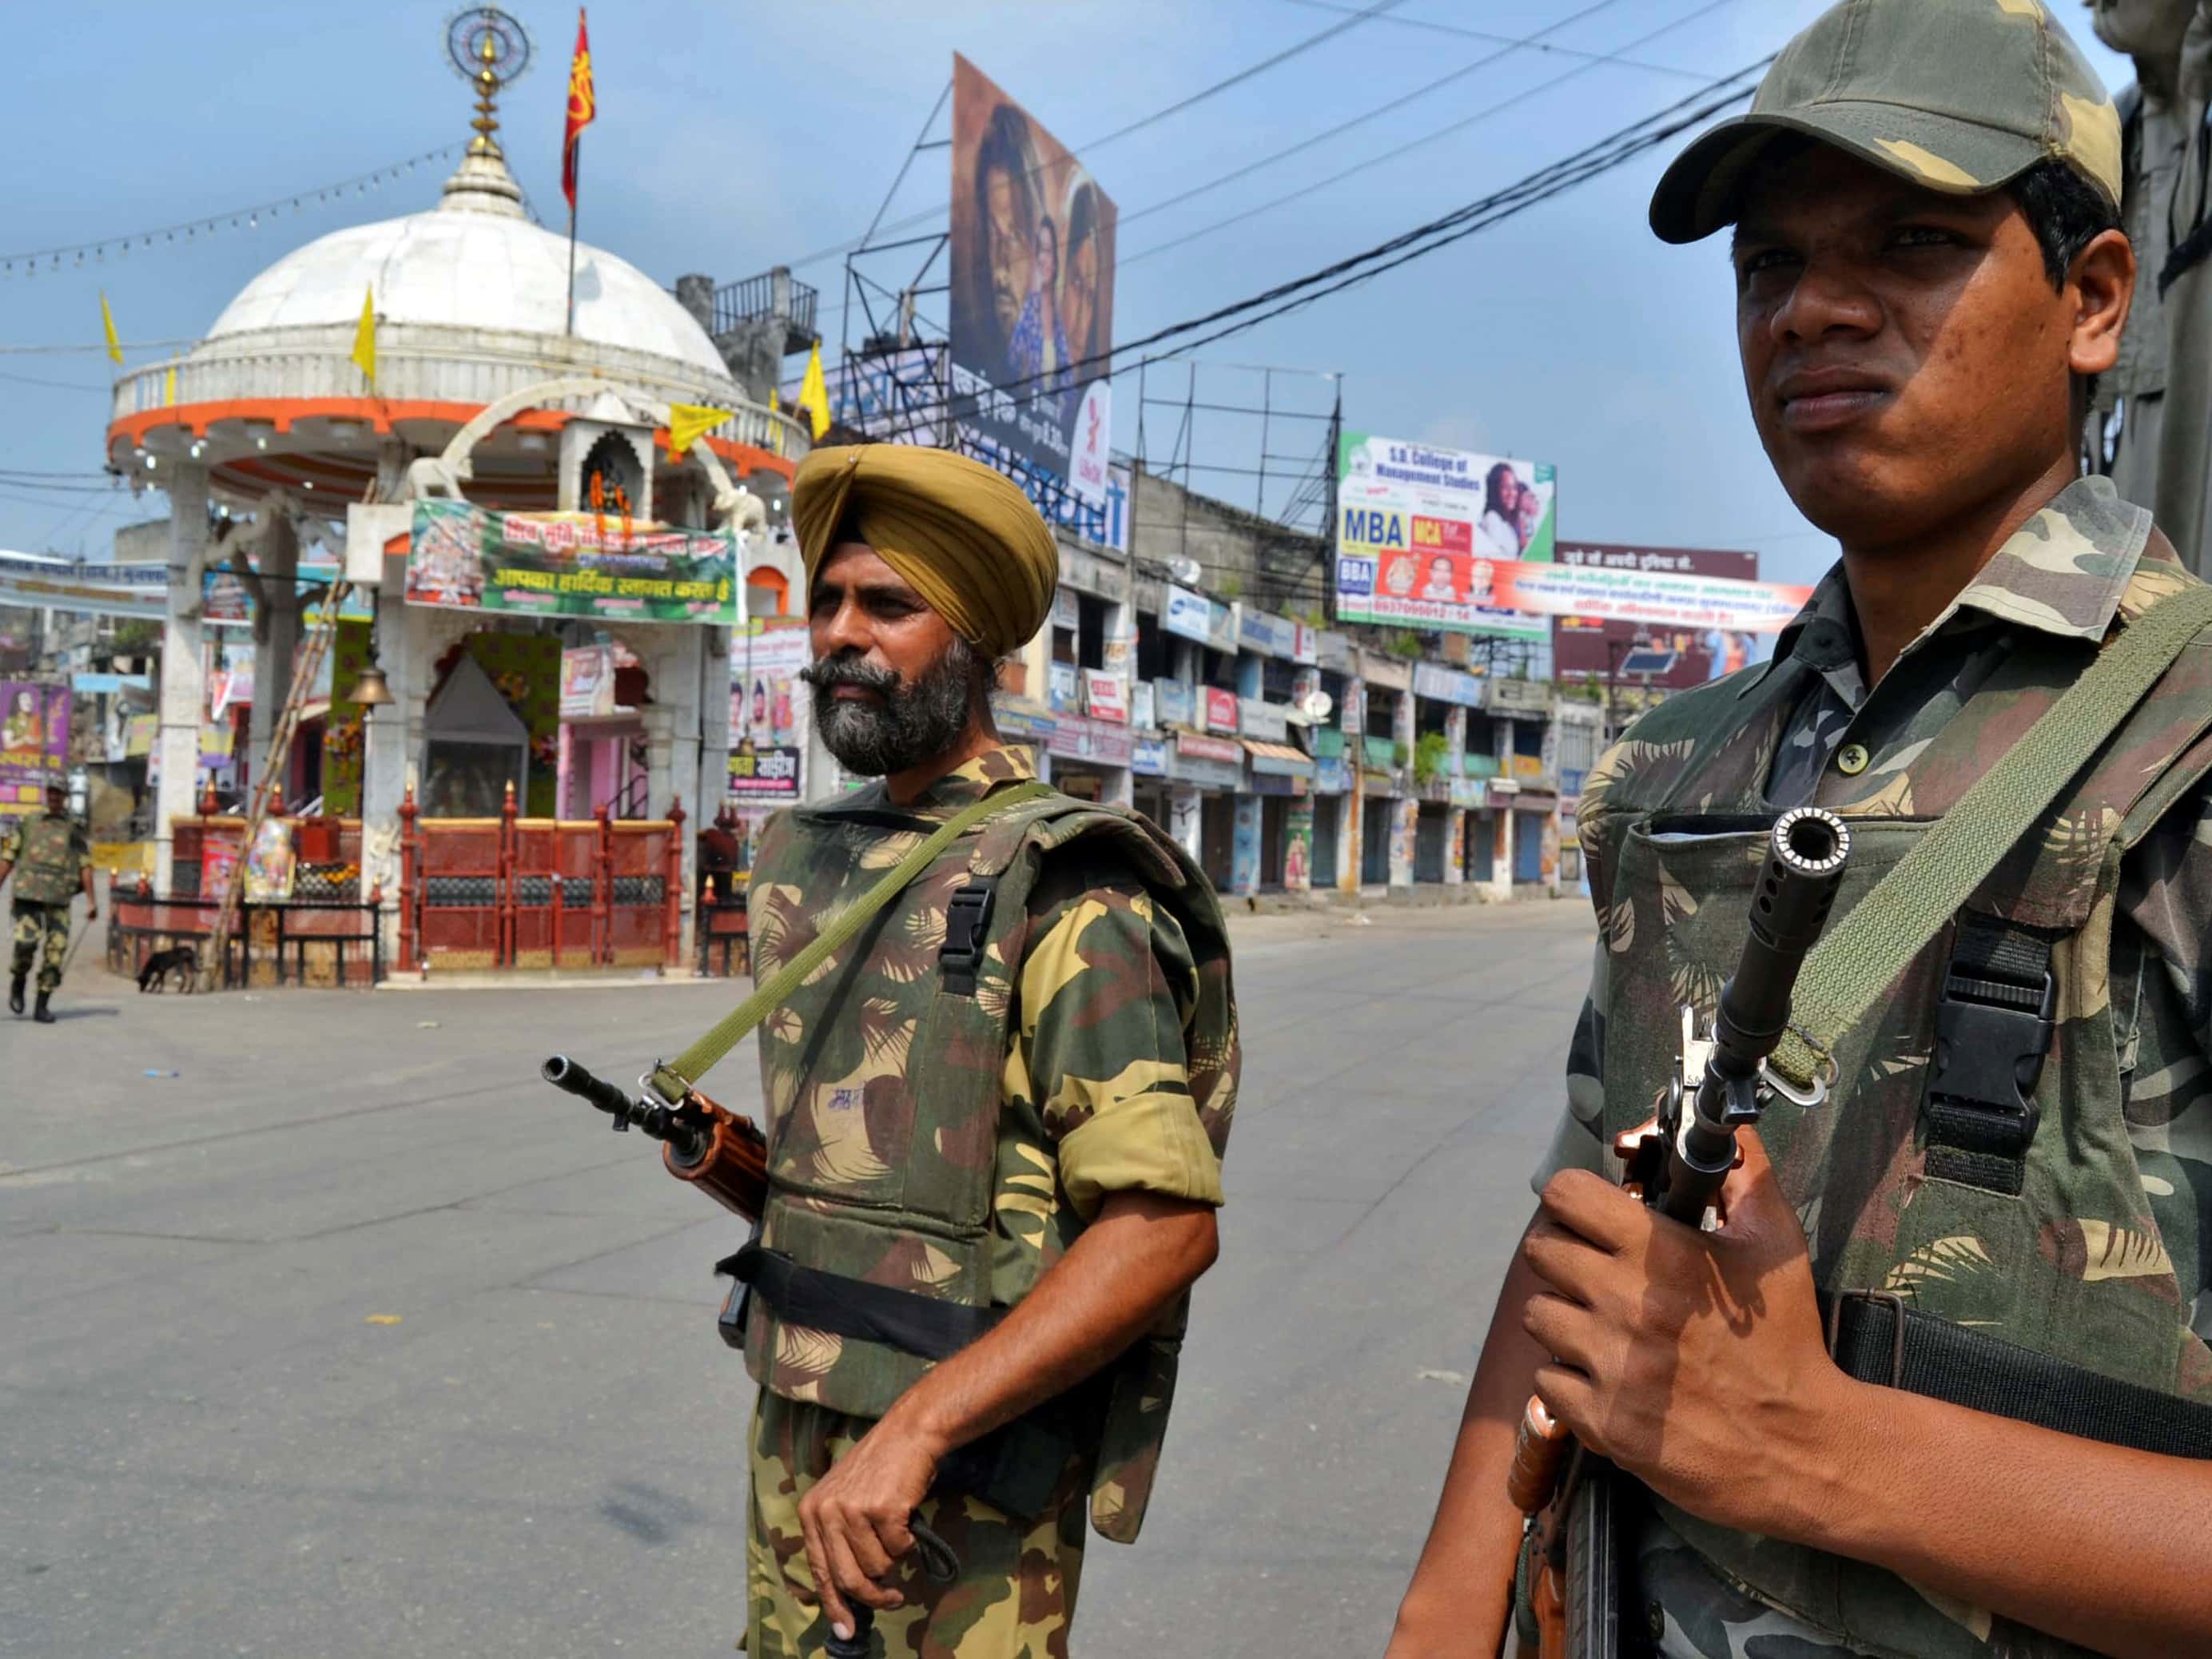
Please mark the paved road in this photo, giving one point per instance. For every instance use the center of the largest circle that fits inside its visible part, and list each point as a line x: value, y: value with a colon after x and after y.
x: 351, y: 1339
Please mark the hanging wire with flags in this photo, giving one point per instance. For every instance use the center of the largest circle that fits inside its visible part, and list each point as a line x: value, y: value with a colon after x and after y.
x: 583, y: 109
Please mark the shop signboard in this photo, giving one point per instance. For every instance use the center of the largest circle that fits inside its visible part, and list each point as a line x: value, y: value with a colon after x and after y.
x: 1066, y: 608
x: 1514, y: 696
x: 1331, y: 776
x: 1220, y: 709
x: 1105, y: 696
x: 1064, y: 683
x: 1148, y: 757
x: 1442, y: 685
x: 1418, y: 527
x: 1278, y: 783
x: 466, y: 558
x: 1244, y: 851
x: 1188, y: 614
x: 1306, y: 648
x: 1143, y: 712
x: 34, y: 742
x: 1333, y: 652
x: 1173, y: 703
x: 1264, y: 720
x: 1075, y: 738
x: 1355, y: 708
x: 1022, y: 721
x: 1269, y: 636
x: 141, y: 590
x: 770, y: 710
x: 1192, y: 746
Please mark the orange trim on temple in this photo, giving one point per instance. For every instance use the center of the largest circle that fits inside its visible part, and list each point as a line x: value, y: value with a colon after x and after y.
x: 380, y: 413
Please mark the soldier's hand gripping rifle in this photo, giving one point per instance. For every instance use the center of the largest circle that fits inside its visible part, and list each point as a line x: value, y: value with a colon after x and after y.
x: 1676, y: 1164
x: 724, y: 1155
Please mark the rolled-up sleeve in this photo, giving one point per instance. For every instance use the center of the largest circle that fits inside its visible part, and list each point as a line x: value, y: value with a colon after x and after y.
x: 1107, y: 989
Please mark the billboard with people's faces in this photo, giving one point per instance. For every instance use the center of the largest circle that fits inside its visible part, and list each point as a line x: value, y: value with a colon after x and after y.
x: 1032, y: 301
x: 1420, y: 530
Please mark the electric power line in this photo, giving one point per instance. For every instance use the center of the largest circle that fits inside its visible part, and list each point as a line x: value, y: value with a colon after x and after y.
x: 1305, y: 191
x: 1465, y: 33
x: 1342, y: 127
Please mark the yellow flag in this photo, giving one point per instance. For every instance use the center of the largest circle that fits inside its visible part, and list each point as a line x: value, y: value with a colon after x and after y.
x: 107, y: 322
x: 364, y: 336
x: 774, y: 428
x: 814, y: 393
x: 685, y: 422
x: 169, y: 393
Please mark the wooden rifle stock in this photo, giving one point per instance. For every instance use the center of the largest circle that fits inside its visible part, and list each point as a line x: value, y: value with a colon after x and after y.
x: 732, y: 1165
x: 724, y: 1155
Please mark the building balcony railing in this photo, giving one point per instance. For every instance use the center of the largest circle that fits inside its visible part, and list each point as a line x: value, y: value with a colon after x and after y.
x: 772, y: 294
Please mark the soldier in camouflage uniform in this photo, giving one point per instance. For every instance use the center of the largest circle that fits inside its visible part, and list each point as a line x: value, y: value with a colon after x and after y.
x: 995, y: 1116
x: 51, y: 861
x: 1928, y: 273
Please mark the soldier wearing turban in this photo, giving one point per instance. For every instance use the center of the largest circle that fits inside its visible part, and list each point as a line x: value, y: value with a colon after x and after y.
x: 996, y: 1112
x: 941, y: 567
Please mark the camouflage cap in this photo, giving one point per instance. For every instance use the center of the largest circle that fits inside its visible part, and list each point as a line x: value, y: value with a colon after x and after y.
x: 1961, y: 95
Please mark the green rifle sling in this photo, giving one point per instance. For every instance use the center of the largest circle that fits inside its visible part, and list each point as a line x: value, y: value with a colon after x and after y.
x: 673, y: 1078
x: 1863, y: 954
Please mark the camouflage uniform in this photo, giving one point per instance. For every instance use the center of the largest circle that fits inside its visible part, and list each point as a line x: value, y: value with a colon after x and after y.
x: 956, y: 1146
x: 51, y: 858
x: 2102, y: 1260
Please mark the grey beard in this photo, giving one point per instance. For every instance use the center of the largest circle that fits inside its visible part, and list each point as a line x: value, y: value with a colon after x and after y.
x: 916, y: 721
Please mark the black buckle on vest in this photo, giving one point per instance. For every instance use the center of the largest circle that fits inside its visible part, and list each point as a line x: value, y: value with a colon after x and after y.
x: 1993, y: 1030
x: 1889, y: 1299
x: 967, y: 920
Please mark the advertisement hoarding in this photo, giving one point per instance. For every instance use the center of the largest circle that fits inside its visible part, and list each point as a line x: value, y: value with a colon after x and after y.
x: 568, y: 564
x: 1659, y: 599
x: 1032, y: 301
x: 768, y: 713
x: 34, y: 736
x: 1594, y: 648
x: 1220, y: 709
x: 1417, y: 526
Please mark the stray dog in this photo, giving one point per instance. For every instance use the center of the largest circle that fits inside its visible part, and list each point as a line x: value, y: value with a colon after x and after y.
x: 178, y: 962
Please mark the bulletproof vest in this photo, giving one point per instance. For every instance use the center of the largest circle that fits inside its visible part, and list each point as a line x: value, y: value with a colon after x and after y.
x: 2068, y: 1263
x: 48, y: 865
x: 882, y: 1080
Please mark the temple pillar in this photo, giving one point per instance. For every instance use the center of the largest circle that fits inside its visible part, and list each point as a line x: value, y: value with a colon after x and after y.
x: 183, y: 676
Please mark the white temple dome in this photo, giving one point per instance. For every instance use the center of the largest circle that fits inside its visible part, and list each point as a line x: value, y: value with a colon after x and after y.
x: 473, y: 261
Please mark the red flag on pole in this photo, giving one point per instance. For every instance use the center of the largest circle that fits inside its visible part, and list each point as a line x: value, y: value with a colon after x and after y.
x: 583, y: 106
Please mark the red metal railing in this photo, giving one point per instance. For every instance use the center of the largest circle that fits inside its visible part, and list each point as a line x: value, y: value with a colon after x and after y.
x: 516, y: 892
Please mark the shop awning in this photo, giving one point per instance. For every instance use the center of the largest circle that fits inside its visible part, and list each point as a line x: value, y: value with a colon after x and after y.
x: 1021, y: 720
x: 1278, y: 759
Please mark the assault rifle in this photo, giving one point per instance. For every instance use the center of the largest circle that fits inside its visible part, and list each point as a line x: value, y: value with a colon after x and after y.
x: 723, y: 1155
x: 1574, y: 1553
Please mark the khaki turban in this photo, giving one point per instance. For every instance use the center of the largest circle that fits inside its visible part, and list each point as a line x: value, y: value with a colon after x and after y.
x: 963, y: 535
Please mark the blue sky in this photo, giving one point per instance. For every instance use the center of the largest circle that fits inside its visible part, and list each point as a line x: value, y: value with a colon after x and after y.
x: 734, y: 138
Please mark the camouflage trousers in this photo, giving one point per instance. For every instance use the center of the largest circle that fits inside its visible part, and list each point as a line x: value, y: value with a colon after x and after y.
x: 1015, y: 1591
x: 41, y: 935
